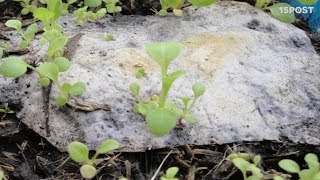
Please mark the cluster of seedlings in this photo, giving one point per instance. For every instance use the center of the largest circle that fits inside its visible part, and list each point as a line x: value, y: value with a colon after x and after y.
x: 161, y: 116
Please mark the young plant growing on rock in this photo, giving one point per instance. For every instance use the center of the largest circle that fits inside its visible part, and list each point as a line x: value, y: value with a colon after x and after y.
x: 170, y: 174
x: 162, y: 116
x: 14, y: 67
x: 313, y: 171
x: 79, y: 152
x: 27, y: 35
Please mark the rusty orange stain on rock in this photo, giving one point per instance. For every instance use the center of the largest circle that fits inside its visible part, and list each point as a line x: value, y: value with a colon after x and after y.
x: 208, y: 51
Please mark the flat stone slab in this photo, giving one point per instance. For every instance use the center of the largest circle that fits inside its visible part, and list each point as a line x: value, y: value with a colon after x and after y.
x: 262, y: 79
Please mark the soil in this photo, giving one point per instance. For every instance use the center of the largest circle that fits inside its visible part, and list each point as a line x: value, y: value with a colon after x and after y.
x: 26, y: 155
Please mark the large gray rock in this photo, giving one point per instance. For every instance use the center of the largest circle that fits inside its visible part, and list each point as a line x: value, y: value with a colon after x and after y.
x: 262, y: 79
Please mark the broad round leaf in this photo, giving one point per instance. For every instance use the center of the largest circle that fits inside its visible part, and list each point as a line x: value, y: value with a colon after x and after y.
x: 198, y: 89
x: 172, y: 172
x: 92, y: 3
x: 202, y: 3
x: 308, y: 2
x: 65, y: 88
x: 16, y: 24
x: 57, y: 45
x: 289, y: 165
x: 78, y: 152
x: 61, y: 100
x: 13, y: 67
x: 49, y: 70
x: 161, y: 121
x: 44, y: 81
x: 107, y: 146
x: 163, y: 53
x: 62, y: 63
x: 312, y: 161
x: 278, y: 13
x: 77, y: 89
x: 88, y: 171
x: 241, y: 164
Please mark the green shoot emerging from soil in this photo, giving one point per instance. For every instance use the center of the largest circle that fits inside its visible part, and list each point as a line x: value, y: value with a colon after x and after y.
x: 79, y: 152
x: 170, y: 174
x: 313, y: 171
x: 5, y: 110
x: 162, y: 116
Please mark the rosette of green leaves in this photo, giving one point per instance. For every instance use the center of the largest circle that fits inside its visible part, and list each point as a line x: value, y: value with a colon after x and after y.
x: 79, y: 152
x: 161, y: 116
x: 27, y: 35
x: 14, y: 67
x: 313, y: 171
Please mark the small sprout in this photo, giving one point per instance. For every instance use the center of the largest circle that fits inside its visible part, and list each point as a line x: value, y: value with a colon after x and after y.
x: 135, y: 89
x: 170, y: 174
x: 6, y: 110
x: 140, y: 73
x: 198, y: 89
x: 108, y: 37
x: 79, y: 152
x: 112, y: 7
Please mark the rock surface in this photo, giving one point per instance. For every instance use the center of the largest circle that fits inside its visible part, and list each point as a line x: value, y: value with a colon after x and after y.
x: 262, y: 79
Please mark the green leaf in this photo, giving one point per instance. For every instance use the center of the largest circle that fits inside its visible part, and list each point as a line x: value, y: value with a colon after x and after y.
x: 71, y: 1
x: 111, y: 6
x: 1, y: 175
x: 108, y: 146
x: 24, y: 44
x: 44, y: 81
x: 140, y: 73
x: 1, y: 53
x: 62, y: 63
x: 189, y: 118
x: 256, y: 160
x: 185, y: 101
x: 92, y: 3
x: 43, y: 15
x: 198, y: 89
x: 161, y: 121
x: 78, y: 152
x: 16, y: 24
x: 242, y: 165
x: 57, y: 45
x: 262, y: 3
x: 276, y: 177
x: 25, y: 11
x: 31, y: 30
x: 202, y: 3
x: 308, y: 2
x: 312, y: 161
x: 289, y: 165
x: 49, y: 70
x: 256, y: 172
x: 87, y: 171
x: 77, y: 89
x: 65, y: 88
x: 172, y: 172
x: 307, y: 174
x: 101, y: 12
x: 174, y: 4
x: 163, y: 53
x: 135, y: 89
x: 278, y: 13
x: 13, y: 67
x: 62, y: 100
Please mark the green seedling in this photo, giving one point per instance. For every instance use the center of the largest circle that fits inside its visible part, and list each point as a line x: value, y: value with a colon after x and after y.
x: 5, y: 110
x: 162, y: 116
x: 242, y: 162
x: 14, y: 67
x: 27, y: 7
x: 79, y: 152
x: 1, y: 175
x: 27, y: 35
x: 313, y: 171
x: 170, y: 174
x: 92, y: 3
x: 140, y: 73
x: 276, y: 10
x: 112, y: 7
x: 176, y: 5
x: 81, y: 14
x: 108, y: 37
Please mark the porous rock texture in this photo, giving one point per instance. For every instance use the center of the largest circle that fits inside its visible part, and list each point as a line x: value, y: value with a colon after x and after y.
x: 262, y: 79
